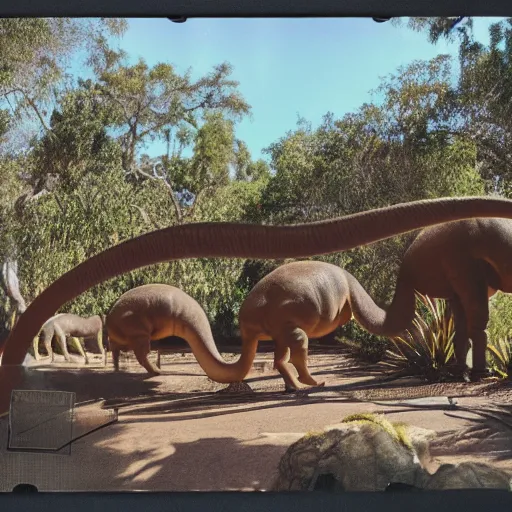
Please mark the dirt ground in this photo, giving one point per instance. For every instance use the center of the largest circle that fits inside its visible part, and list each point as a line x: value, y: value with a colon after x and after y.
x: 175, y: 433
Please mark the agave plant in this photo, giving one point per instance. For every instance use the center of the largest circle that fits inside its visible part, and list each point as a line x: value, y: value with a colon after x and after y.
x: 500, y: 356
x: 428, y: 349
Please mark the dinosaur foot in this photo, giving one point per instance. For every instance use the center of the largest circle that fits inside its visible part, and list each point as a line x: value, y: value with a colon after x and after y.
x: 304, y: 387
x: 312, y: 382
x: 479, y: 375
x: 456, y: 372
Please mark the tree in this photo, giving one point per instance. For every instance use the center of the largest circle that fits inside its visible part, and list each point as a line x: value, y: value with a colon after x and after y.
x: 402, y: 149
x: 34, y: 53
x: 437, y: 27
x: 152, y: 102
x: 77, y: 141
x: 480, y: 109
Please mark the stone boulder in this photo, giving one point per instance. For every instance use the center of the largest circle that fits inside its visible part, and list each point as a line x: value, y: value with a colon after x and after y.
x: 468, y: 475
x: 363, y: 453
x: 366, y: 452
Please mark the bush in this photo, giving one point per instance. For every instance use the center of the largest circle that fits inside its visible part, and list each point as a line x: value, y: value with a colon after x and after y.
x: 428, y: 350
x: 500, y: 317
x: 499, y: 335
x: 499, y: 357
x: 225, y: 327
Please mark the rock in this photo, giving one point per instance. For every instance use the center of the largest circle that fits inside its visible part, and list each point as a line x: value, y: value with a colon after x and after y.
x: 468, y: 475
x: 366, y: 452
x: 363, y: 453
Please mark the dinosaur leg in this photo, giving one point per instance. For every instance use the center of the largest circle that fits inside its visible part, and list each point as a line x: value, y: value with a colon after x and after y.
x: 299, y: 357
x: 158, y: 359
x: 80, y: 348
x: 461, y: 339
x: 291, y: 352
x: 61, y: 339
x: 101, y: 347
x: 473, y: 294
x: 141, y: 351
x: 35, y: 348
x: 47, y: 340
x: 282, y: 365
x: 116, y: 351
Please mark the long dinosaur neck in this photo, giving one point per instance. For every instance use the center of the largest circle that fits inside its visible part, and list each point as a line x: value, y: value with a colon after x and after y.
x: 390, y: 322
x: 210, y: 360
x: 228, y: 240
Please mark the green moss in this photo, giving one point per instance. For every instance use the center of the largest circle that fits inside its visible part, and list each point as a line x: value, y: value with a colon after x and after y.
x: 313, y: 433
x: 398, y: 431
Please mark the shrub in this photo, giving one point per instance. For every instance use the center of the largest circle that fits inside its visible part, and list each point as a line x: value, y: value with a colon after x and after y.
x: 499, y: 357
x: 428, y: 350
x: 500, y: 317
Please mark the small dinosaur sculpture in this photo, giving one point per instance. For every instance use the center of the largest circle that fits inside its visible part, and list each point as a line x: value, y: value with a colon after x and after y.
x: 294, y: 302
x: 156, y: 311
x: 66, y: 325
x: 231, y: 240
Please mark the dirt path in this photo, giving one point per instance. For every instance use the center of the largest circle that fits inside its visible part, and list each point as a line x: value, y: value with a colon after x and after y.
x: 174, y: 433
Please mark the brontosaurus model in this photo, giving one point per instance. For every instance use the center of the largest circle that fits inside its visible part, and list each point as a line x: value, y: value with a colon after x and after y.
x: 218, y: 240
x: 66, y: 325
x: 465, y: 262
x: 156, y: 311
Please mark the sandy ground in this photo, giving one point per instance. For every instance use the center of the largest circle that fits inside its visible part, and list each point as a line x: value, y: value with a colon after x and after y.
x: 173, y: 433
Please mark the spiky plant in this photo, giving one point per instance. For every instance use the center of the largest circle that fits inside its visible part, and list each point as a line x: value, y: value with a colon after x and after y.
x: 428, y: 349
x: 499, y: 354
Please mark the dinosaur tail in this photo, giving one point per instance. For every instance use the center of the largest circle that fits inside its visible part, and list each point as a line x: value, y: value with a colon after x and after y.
x: 211, y: 361
x: 229, y: 240
x: 391, y: 322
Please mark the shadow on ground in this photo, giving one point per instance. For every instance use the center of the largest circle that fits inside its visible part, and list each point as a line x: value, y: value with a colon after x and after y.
x: 490, y: 434
x: 112, y: 460
x: 91, y: 384
x: 213, y: 464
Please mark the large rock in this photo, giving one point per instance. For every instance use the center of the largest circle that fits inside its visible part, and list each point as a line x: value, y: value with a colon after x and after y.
x: 363, y: 453
x: 366, y: 452
x: 468, y: 475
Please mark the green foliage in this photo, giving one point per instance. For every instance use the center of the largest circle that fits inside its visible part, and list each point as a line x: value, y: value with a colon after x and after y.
x: 213, y: 152
x: 428, y: 350
x: 398, y: 431
x: 499, y: 357
x: 155, y: 102
x: 5, y: 120
x: 437, y: 27
x: 500, y: 317
x: 77, y: 143
x: 34, y: 55
x: 499, y: 334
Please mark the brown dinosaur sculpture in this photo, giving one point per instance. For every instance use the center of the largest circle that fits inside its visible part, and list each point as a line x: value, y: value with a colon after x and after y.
x: 465, y: 262
x: 156, y: 311
x: 208, y: 240
x: 294, y: 302
x: 66, y: 325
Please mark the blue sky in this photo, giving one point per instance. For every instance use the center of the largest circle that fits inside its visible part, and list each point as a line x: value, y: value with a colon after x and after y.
x: 286, y: 67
